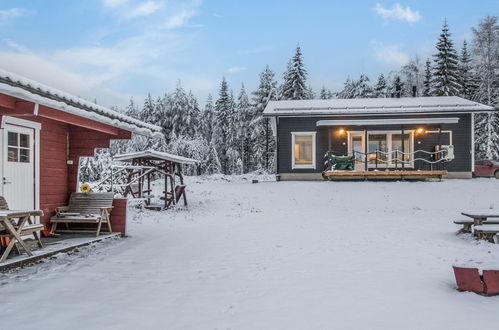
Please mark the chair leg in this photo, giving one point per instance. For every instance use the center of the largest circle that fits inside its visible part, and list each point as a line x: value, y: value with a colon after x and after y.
x: 6, y: 252
x: 109, y: 226
x: 54, y: 228
x: 98, y: 227
x: 38, y: 239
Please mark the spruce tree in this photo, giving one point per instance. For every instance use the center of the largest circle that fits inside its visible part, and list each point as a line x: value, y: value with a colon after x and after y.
x: 263, y: 142
x: 486, y: 53
x: 295, y: 79
x: 193, y: 117
x: 179, y: 111
x: 397, y: 87
x: 348, y: 90
x: 380, y: 89
x: 148, y: 111
x: 325, y: 94
x: 427, y: 78
x: 244, y: 117
x: 221, y: 133
x: 362, y: 88
x: 466, y: 74
x: 445, y: 80
x: 132, y: 110
x: 207, y: 119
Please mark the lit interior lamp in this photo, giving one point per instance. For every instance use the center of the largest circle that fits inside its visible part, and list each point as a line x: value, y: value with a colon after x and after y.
x: 341, y: 131
x: 420, y: 131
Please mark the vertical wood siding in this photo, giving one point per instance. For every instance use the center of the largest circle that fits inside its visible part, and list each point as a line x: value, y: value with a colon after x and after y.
x: 286, y: 125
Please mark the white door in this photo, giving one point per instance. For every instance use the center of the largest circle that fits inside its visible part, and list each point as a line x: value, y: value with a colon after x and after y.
x: 356, y: 148
x: 19, y: 167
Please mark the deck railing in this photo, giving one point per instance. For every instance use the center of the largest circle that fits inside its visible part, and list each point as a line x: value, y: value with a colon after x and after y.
x: 394, y: 160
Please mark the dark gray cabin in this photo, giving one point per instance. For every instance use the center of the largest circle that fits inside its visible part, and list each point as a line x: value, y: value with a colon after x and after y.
x: 415, y: 135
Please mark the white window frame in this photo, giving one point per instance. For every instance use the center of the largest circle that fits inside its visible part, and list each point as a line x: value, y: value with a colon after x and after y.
x: 302, y: 166
x: 391, y: 162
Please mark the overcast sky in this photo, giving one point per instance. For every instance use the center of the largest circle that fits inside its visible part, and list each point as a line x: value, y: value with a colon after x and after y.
x: 114, y: 49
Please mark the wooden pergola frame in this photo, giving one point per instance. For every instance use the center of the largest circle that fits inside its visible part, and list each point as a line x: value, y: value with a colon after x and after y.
x: 150, y: 165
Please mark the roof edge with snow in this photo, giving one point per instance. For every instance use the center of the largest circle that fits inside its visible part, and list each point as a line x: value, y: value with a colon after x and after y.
x: 155, y: 155
x: 374, y: 106
x: 20, y: 87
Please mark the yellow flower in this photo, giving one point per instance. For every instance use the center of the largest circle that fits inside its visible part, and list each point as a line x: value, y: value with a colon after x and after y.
x: 85, y: 188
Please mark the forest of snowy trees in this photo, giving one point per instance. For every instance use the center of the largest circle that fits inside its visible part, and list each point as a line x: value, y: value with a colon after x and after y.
x: 229, y: 135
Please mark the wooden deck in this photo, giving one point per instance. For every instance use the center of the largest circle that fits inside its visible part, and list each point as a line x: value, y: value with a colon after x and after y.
x: 53, y: 246
x: 383, y: 175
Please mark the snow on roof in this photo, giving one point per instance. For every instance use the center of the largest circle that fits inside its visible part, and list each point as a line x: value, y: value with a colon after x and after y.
x: 157, y: 155
x: 18, y: 86
x: 434, y: 104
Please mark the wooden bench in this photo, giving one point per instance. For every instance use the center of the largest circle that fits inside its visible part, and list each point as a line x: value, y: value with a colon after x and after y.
x: 174, y: 198
x: 84, y: 208
x: 486, y: 232
x: 468, y: 224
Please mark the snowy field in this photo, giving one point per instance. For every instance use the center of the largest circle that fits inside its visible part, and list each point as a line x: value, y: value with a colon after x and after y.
x: 272, y: 255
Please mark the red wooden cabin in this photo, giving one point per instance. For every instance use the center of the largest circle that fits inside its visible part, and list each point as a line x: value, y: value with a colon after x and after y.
x: 43, y: 134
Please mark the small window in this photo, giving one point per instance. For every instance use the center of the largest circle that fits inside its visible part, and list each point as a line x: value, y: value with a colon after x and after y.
x: 303, y: 152
x: 18, y: 149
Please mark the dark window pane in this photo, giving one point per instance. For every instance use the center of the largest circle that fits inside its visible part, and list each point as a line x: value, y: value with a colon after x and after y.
x: 12, y: 154
x: 24, y: 140
x: 24, y: 155
x: 12, y: 139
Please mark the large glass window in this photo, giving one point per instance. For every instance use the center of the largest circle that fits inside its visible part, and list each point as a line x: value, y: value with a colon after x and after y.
x: 402, y: 145
x: 390, y: 148
x: 303, y: 150
x: 378, y: 148
x: 18, y: 149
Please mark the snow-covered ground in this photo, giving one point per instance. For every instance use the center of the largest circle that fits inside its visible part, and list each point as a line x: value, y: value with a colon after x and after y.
x: 272, y: 255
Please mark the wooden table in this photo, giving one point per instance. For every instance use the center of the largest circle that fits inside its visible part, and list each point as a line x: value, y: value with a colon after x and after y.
x: 15, y: 230
x: 480, y: 217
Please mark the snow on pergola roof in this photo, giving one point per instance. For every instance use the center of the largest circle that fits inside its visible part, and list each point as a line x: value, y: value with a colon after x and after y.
x: 18, y: 86
x: 153, y: 154
x: 435, y: 104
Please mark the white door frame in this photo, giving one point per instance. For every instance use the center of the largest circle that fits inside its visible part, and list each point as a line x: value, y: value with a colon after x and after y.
x: 36, y: 161
x: 362, y: 134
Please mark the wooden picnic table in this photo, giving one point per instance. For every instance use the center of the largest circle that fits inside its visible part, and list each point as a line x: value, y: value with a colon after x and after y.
x: 480, y: 217
x: 13, y: 229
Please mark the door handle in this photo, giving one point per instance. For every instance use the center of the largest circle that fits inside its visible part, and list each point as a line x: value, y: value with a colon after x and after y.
x: 5, y: 181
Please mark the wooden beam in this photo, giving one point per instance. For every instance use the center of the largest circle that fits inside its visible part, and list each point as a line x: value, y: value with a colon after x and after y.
x: 75, y: 120
x: 7, y: 101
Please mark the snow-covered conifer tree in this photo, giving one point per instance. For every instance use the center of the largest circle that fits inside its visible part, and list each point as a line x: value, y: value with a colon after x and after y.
x: 325, y: 94
x: 207, y: 119
x: 445, y: 80
x: 295, y: 78
x: 348, y: 90
x: 466, y: 74
x: 486, y: 53
x: 397, y: 87
x: 427, y: 78
x: 263, y: 142
x: 380, y: 89
x: 221, y: 133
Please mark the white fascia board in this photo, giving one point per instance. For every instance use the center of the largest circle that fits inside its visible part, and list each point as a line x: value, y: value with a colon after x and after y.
x: 394, y: 121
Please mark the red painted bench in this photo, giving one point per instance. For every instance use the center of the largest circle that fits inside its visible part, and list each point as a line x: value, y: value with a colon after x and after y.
x: 469, y: 279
